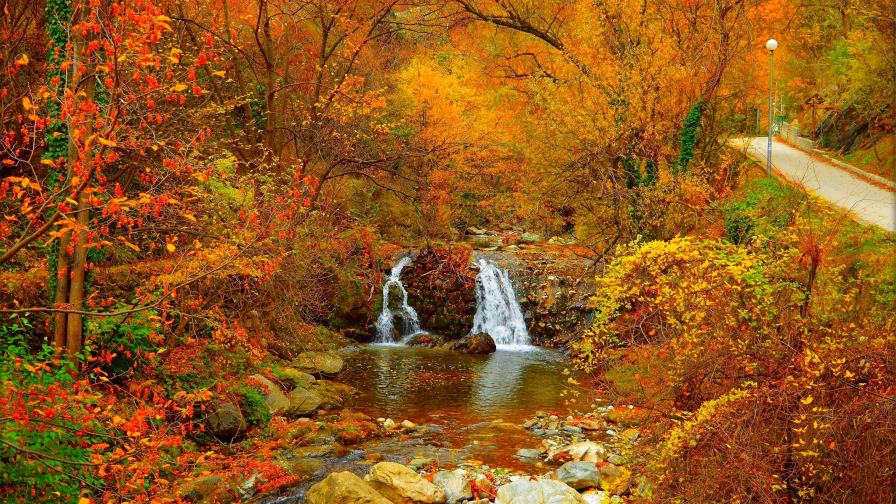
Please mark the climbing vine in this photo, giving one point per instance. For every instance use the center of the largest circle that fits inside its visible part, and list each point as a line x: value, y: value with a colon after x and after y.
x: 688, y: 138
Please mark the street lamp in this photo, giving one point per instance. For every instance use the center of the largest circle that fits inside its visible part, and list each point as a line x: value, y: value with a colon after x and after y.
x: 771, y: 45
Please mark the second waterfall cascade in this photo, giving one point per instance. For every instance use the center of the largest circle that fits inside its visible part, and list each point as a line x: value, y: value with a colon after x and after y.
x: 386, y: 320
x: 497, y: 311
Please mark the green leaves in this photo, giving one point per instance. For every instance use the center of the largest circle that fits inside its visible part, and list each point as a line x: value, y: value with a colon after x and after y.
x: 688, y: 141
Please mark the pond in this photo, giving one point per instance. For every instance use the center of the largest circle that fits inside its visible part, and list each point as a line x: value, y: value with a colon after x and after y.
x: 465, y: 402
x: 467, y: 407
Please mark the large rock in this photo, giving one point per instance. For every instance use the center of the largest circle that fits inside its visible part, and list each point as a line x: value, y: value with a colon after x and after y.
x: 274, y: 399
x: 529, y: 238
x: 318, y: 363
x: 227, y: 421
x: 455, y: 484
x: 332, y: 394
x: 526, y: 453
x: 427, y: 341
x: 344, y: 488
x: 579, y: 475
x: 402, y: 485
x: 542, y: 491
x: 296, y: 378
x: 205, y: 488
x: 303, y: 402
x: 480, y: 343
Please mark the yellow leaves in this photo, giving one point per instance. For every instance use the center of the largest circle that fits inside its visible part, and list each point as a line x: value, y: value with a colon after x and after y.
x: 170, y: 247
x: 107, y: 143
x: 129, y: 244
x: 178, y: 88
x: 48, y: 162
x: 807, y: 400
x: 23, y: 60
x: 26, y: 103
x: 174, y: 55
x: 220, y: 73
x: 84, y: 500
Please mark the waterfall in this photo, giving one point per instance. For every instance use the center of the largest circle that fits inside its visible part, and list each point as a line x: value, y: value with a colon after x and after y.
x: 497, y: 311
x: 386, y: 320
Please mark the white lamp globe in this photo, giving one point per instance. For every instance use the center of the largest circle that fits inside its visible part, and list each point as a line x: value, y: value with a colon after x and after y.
x: 771, y: 45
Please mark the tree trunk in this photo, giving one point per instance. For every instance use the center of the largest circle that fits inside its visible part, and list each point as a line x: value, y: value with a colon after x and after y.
x: 74, y: 324
x: 63, y: 259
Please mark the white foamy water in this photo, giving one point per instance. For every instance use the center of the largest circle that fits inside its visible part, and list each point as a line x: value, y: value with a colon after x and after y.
x: 497, y: 310
x: 386, y: 321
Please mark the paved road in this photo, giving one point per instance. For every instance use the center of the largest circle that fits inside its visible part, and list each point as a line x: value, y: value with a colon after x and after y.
x: 870, y: 203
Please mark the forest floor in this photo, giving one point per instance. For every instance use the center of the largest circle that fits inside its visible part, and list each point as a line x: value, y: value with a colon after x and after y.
x: 868, y: 202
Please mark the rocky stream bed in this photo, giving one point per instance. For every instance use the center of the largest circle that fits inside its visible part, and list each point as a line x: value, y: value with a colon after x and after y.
x: 459, y: 452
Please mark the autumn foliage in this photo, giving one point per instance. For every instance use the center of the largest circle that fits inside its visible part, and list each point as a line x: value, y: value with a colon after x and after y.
x: 191, y: 191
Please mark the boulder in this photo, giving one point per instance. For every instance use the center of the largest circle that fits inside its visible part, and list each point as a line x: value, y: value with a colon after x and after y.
x: 274, y: 399
x: 527, y: 454
x: 389, y: 424
x: 296, y: 378
x: 303, y: 402
x: 579, y: 475
x: 587, y: 451
x: 614, y: 479
x: 332, y: 394
x: 480, y: 343
x: 455, y: 484
x: 402, y: 485
x: 204, y: 488
x: 318, y: 363
x: 529, y: 238
x: 409, y: 425
x: 541, y: 491
x: 631, y: 434
x: 427, y: 341
x: 227, y: 421
x: 343, y: 488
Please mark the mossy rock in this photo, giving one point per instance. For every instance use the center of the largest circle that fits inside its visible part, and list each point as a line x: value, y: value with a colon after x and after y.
x: 294, y: 378
x: 427, y: 341
x: 332, y: 394
x: 318, y: 363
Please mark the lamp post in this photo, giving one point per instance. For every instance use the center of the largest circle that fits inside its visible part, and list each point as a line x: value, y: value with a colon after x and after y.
x: 771, y: 45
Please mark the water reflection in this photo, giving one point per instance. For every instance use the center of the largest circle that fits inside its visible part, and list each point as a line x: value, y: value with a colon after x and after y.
x: 435, y: 386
